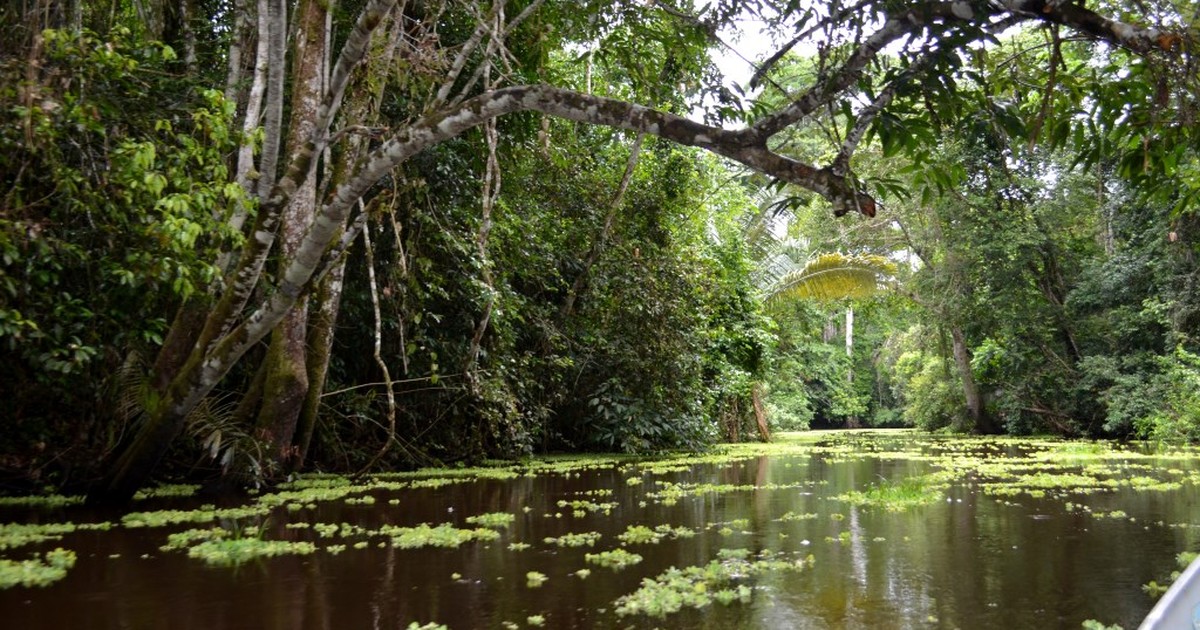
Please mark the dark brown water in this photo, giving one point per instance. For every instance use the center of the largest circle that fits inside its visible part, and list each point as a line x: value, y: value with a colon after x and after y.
x: 966, y: 561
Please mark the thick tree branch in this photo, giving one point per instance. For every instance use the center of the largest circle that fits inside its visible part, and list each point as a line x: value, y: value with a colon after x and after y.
x: 831, y: 20
x: 1139, y: 39
x: 353, y: 52
x: 896, y: 27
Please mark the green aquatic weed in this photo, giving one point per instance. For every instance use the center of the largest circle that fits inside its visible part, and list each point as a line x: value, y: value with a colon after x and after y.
x: 13, y: 535
x: 533, y: 579
x: 444, y: 535
x: 173, y: 490
x: 185, y: 539
x: 720, y: 580
x: 162, y: 518
x: 615, y: 559
x: 793, y: 516
x: 42, y: 501
x: 37, y: 570
x: 640, y: 534
x: 230, y: 552
x: 582, y: 507
x: 574, y: 540
x: 896, y: 496
x: 494, y: 520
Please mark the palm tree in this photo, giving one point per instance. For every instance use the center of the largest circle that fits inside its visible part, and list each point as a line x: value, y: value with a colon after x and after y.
x: 792, y: 273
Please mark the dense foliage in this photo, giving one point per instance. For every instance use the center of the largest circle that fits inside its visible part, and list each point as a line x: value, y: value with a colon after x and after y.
x: 116, y: 191
x: 214, y: 264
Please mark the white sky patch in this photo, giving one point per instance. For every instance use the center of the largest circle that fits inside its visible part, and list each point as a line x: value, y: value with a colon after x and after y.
x: 750, y: 40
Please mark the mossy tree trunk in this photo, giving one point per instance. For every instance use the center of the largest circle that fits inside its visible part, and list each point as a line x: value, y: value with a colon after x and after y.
x: 287, y: 382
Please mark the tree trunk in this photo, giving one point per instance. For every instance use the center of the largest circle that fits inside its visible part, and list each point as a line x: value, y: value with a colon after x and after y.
x: 227, y: 335
x: 276, y: 50
x: 850, y: 333
x: 982, y: 422
x: 361, y: 108
x: 760, y: 413
x: 286, y: 387
x: 326, y: 305
x: 246, y: 173
x: 178, y: 344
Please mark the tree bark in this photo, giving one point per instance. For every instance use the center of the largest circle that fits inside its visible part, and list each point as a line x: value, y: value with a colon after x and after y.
x: 360, y: 109
x: 323, y: 322
x: 276, y: 38
x: 286, y: 386
x: 760, y: 413
x: 981, y: 420
x: 246, y: 173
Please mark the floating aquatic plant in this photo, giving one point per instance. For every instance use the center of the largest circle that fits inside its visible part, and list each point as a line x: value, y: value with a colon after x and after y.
x: 438, y: 482
x: 897, y: 496
x: 616, y: 559
x: 13, y: 535
x: 176, y: 490
x: 669, y: 493
x: 1092, y: 624
x: 163, y: 518
x: 582, y: 507
x: 234, y: 551
x: 188, y: 537
x: 721, y: 580
x: 444, y: 535
x: 533, y: 579
x: 640, y: 534
x: 793, y: 516
x: 325, y: 530
x: 574, y: 540
x: 37, y: 570
x: 494, y: 520
x: 42, y: 501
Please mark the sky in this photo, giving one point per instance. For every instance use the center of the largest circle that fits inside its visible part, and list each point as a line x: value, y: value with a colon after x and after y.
x: 747, y: 37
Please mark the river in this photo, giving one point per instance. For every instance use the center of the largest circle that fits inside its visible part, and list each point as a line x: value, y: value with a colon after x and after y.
x: 942, y: 533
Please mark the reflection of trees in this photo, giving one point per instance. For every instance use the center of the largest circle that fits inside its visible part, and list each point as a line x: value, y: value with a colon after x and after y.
x: 950, y: 561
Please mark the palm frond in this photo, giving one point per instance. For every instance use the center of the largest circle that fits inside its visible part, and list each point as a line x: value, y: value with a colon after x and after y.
x: 830, y: 276
x: 131, y: 388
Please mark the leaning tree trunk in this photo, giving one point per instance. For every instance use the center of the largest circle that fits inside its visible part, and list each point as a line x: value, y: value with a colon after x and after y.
x: 983, y: 422
x: 286, y: 387
x: 226, y: 334
x: 190, y: 318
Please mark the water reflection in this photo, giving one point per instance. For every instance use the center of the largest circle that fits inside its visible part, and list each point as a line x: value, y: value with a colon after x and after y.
x: 967, y: 561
